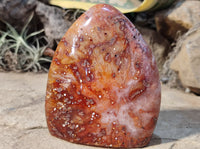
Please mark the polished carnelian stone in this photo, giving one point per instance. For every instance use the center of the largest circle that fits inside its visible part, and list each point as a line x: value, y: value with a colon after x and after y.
x: 103, y: 86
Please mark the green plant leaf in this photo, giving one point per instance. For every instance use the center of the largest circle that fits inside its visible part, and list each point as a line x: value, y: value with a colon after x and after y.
x: 26, y: 25
x: 34, y: 34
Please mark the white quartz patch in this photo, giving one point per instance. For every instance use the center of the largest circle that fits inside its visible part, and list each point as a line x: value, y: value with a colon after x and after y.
x: 67, y: 78
x: 120, y: 116
x: 121, y: 93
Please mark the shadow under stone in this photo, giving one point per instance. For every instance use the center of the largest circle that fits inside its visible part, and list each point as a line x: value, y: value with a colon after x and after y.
x: 173, y: 125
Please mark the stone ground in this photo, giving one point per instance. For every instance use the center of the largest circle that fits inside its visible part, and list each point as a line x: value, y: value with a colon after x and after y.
x: 23, y: 125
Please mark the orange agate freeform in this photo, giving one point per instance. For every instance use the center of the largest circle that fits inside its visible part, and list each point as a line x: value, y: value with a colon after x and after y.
x: 103, y: 86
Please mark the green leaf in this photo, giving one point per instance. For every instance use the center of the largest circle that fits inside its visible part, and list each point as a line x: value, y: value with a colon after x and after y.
x: 34, y: 34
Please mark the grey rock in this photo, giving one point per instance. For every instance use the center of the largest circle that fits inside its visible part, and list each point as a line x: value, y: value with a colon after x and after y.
x: 52, y: 18
x: 178, y: 19
x: 187, y: 62
x: 55, y: 24
x: 16, y: 12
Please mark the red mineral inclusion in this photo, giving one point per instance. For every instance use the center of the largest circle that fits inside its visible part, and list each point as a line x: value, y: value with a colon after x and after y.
x: 103, y: 86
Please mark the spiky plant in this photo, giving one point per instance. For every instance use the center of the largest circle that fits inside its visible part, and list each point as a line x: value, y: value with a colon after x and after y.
x: 73, y: 14
x: 25, y: 50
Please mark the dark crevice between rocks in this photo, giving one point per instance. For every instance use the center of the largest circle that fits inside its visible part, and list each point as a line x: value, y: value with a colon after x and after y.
x: 17, y: 12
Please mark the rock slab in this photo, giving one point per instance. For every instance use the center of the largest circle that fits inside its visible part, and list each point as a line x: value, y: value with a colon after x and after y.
x: 187, y: 62
x: 178, y: 125
x: 55, y: 25
x: 178, y: 19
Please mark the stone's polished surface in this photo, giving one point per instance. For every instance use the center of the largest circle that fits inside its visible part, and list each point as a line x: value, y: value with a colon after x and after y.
x: 103, y: 85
